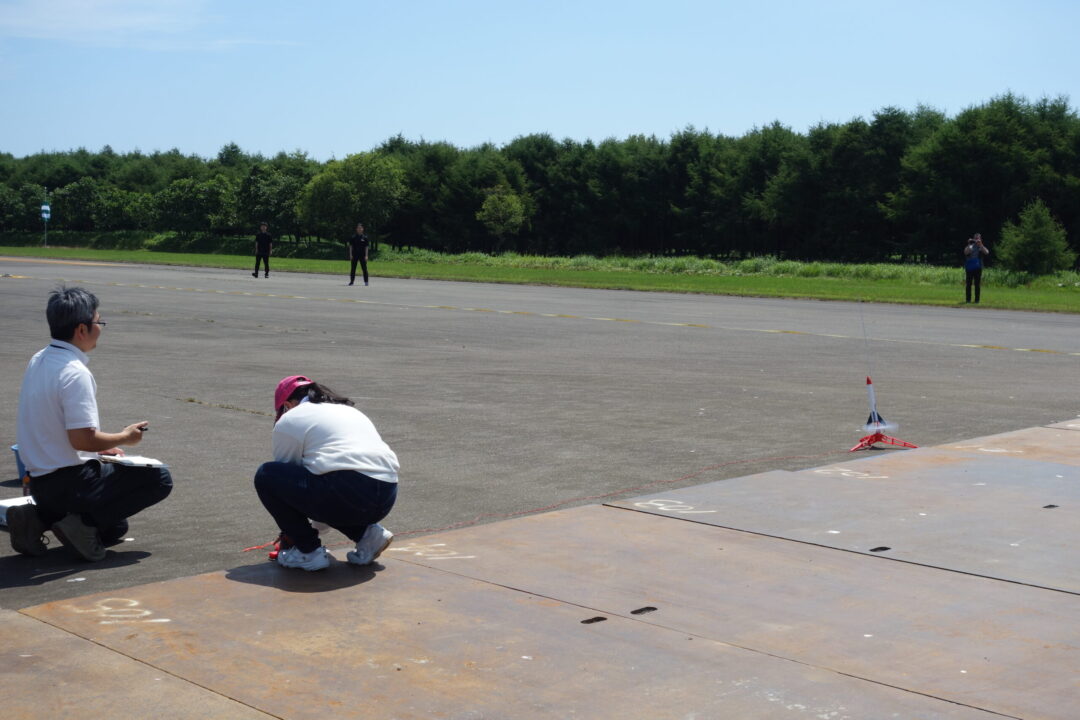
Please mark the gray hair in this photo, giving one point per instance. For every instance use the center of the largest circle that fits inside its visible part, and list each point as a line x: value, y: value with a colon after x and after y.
x: 69, y: 308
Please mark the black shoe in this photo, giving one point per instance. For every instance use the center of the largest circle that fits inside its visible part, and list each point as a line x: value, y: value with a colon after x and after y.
x: 114, y: 535
x: 27, y: 530
x: 254, y: 274
x: 266, y: 275
x: 80, y: 537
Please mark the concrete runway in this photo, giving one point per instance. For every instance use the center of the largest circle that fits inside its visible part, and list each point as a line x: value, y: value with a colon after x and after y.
x: 501, y: 400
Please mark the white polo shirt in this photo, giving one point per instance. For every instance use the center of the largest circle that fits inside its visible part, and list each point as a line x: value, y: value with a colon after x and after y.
x: 325, y: 436
x: 58, y: 394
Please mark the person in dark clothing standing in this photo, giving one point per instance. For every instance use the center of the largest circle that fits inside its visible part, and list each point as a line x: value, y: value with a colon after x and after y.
x: 973, y: 265
x: 263, y: 245
x: 358, y: 253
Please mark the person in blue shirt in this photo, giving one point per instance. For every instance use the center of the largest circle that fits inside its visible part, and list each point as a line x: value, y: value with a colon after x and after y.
x: 974, y: 252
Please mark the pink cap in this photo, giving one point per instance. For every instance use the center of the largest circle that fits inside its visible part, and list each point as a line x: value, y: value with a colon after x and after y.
x: 285, y: 388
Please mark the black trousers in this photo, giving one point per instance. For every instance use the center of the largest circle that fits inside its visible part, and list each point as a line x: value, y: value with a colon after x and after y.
x: 974, y: 277
x: 104, y: 494
x: 352, y: 269
x: 266, y: 263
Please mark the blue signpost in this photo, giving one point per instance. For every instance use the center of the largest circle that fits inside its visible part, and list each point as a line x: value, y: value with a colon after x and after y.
x: 46, y: 213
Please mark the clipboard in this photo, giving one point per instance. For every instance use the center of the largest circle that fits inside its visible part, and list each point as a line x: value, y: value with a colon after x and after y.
x: 132, y: 460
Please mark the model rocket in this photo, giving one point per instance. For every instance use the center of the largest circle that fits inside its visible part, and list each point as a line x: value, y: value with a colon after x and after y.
x: 875, y: 421
x: 875, y: 424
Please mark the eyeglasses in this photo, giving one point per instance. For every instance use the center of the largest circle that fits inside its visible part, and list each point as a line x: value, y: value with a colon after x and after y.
x: 98, y: 322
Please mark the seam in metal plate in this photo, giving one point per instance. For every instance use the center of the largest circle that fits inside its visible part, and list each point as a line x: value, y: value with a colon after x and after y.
x: 1000, y: 646
x: 421, y: 643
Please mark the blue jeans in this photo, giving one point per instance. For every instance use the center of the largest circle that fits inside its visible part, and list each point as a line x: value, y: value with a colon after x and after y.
x: 346, y: 500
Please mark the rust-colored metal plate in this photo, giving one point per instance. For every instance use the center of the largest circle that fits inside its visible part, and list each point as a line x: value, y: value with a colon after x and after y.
x: 415, y: 642
x: 1066, y: 425
x: 1000, y: 646
x: 48, y: 673
x: 1049, y: 444
x: 1007, y: 516
x: 1056, y: 445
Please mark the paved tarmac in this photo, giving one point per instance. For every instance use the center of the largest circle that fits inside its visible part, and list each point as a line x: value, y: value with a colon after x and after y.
x: 502, y: 400
x: 930, y: 583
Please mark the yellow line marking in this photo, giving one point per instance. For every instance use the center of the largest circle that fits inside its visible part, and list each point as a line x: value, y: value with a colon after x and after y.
x: 527, y: 312
x: 61, y: 262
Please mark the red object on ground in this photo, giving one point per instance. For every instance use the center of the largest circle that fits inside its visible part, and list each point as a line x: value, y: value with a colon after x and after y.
x: 868, y: 442
x: 876, y: 421
x: 281, y: 542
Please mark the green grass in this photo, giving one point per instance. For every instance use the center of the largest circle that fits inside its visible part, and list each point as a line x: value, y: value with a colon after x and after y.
x: 760, y: 277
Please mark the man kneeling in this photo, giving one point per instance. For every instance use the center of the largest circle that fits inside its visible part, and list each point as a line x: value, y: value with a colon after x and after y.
x: 84, y: 501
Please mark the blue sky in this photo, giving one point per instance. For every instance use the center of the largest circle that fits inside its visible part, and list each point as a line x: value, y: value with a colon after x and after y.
x: 335, y: 77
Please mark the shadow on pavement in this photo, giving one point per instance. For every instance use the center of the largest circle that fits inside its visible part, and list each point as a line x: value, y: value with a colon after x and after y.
x: 58, y: 564
x: 336, y: 577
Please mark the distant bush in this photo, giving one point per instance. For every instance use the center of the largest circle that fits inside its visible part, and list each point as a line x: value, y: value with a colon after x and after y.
x: 115, y: 240
x: 1037, y: 244
x: 201, y: 242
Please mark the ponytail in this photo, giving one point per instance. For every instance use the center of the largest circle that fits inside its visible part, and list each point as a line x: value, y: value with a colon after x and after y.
x: 318, y: 393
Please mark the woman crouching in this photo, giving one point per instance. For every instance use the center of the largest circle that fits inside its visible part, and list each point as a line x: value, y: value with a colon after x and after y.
x: 330, y: 466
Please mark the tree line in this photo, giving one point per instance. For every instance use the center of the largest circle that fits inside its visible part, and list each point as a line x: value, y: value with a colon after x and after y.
x: 899, y: 186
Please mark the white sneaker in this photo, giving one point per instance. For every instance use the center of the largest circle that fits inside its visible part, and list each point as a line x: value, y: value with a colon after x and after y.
x: 376, y: 539
x: 317, y: 559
